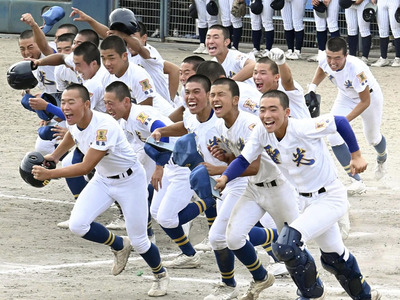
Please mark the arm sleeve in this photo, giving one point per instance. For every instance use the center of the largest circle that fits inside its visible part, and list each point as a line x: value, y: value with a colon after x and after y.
x: 236, y: 168
x: 347, y: 133
x: 55, y: 110
x: 158, y: 124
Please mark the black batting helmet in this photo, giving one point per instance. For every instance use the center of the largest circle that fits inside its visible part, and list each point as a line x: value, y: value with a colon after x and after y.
x: 20, y: 77
x: 124, y: 20
x: 397, y: 15
x: 369, y: 12
x: 212, y: 8
x: 25, y: 168
x: 256, y: 7
x: 313, y: 102
x: 277, y: 4
x: 346, y: 3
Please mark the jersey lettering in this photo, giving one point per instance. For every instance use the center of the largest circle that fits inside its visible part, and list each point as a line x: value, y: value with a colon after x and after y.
x: 299, y: 158
x: 348, y: 84
x: 101, y: 137
x: 139, y: 135
x: 44, y: 80
x: 273, y: 153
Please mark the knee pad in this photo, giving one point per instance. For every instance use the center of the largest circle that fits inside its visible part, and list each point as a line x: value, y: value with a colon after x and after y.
x: 299, y: 263
x: 347, y: 273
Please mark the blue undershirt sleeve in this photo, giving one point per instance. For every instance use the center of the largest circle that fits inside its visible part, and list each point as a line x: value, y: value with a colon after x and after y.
x: 55, y: 110
x: 236, y: 168
x: 158, y: 124
x: 347, y: 133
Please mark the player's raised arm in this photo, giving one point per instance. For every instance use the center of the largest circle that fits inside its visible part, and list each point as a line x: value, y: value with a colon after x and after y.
x: 246, y: 72
x: 172, y: 71
x: 55, y: 59
x: 38, y: 34
x: 319, y: 76
x: 176, y: 129
x: 278, y: 56
x: 83, y: 17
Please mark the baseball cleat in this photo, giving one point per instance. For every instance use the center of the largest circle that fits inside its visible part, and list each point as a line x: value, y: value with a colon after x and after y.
x: 396, y: 62
x: 223, y: 292
x: 160, y: 284
x: 183, y: 261
x: 278, y: 269
x: 381, y: 62
x: 121, y: 256
x: 201, y: 49
x: 356, y: 187
x: 375, y: 295
x: 204, y: 245
x: 117, y: 224
x: 64, y: 224
x: 256, y: 287
x: 380, y: 170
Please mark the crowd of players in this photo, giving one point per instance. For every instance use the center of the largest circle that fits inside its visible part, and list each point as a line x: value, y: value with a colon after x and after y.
x: 242, y: 122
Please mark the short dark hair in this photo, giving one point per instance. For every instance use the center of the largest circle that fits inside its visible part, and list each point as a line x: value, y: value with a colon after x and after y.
x: 233, y: 86
x: 90, y: 36
x: 225, y: 31
x: 194, y: 60
x: 283, y: 98
x: 83, y: 92
x: 120, y: 89
x: 66, y: 37
x: 336, y: 44
x: 89, y: 51
x: 272, y: 65
x: 142, y: 29
x: 203, y: 80
x: 211, y: 69
x: 26, y: 34
x: 114, y: 42
x: 70, y: 27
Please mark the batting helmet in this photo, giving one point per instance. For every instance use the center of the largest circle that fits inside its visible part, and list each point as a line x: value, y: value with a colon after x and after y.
x: 256, y: 7
x: 20, y: 77
x: 320, y: 10
x: 346, y: 3
x: 369, y: 12
x: 193, y: 10
x: 313, y: 102
x: 277, y: 4
x: 212, y: 8
x: 397, y: 15
x: 25, y: 168
x: 124, y: 20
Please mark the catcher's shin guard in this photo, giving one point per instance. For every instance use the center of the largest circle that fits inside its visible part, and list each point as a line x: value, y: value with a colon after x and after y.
x: 348, y: 274
x: 299, y: 262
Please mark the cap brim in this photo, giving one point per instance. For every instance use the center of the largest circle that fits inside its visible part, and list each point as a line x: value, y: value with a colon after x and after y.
x: 46, y: 28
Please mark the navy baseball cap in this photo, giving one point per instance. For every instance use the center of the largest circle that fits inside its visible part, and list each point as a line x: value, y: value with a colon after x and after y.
x: 51, y: 17
x: 185, y: 152
x: 45, y: 133
x: 25, y: 102
x: 45, y: 115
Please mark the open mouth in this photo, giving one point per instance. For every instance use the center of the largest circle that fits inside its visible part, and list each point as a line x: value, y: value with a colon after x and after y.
x: 192, y: 105
x: 68, y: 117
x: 259, y: 86
x: 269, y: 124
x: 217, y: 108
x: 211, y: 48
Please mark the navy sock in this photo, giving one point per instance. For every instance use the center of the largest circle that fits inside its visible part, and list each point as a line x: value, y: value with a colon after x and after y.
x: 322, y: 37
x: 366, y: 45
x: 299, y: 39
x: 343, y: 155
x: 335, y: 33
x: 211, y: 214
x: 264, y: 237
x: 289, y: 36
x: 99, y: 234
x: 202, y: 34
x: 237, y: 34
x: 396, y: 43
x: 353, y: 43
x: 248, y: 256
x: 381, y: 149
x: 193, y: 209
x: 256, y: 37
x: 180, y: 239
x: 383, y: 45
x: 226, y: 264
x: 153, y: 259
x: 269, y: 39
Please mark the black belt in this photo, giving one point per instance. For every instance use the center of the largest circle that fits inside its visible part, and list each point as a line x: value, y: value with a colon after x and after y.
x: 267, y: 184
x: 309, y: 195
x: 128, y: 172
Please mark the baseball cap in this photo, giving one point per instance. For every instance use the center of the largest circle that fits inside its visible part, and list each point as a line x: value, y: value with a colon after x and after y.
x: 185, y: 152
x: 51, y: 17
x: 45, y: 133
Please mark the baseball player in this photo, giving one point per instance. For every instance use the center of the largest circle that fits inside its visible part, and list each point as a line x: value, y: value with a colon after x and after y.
x: 234, y: 25
x: 265, y: 19
x: 237, y: 65
x: 267, y: 190
x: 331, y: 20
x: 119, y: 177
x: 385, y: 17
x: 273, y: 73
x: 298, y: 149
x: 292, y: 16
x: 204, y: 21
x: 359, y: 94
x: 355, y: 23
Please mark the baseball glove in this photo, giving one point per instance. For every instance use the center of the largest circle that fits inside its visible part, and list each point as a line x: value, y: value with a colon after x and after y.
x: 238, y: 8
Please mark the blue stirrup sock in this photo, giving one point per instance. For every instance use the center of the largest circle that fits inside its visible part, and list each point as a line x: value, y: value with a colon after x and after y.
x: 100, y: 234
x: 248, y: 256
x: 153, y: 259
x: 381, y: 150
x: 226, y: 264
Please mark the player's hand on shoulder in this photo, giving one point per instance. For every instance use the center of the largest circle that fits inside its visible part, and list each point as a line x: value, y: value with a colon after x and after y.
x: 277, y: 55
x: 38, y: 103
x: 221, y: 183
x: 156, y: 178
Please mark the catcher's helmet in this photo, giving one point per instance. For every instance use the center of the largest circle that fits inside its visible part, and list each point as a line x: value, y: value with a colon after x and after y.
x: 256, y: 7
x: 369, y: 12
x: 313, y: 102
x: 20, y: 77
x: 25, y: 169
x: 277, y: 4
x: 124, y: 20
x: 193, y: 10
x: 212, y: 8
x: 346, y: 3
x: 397, y: 15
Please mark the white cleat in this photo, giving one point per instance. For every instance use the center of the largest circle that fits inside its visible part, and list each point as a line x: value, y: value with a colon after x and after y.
x: 256, y: 287
x: 356, y: 187
x: 204, y: 246
x: 117, y: 224
x: 396, y: 62
x: 296, y: 55
x: 64, y: 224
x: 381, y: 62
x: 160, y: 285
x: 255, y: 52
x: 264, y: 53
x: 200, y: 49
x: 223, y: 292
x: 375, y: 295
x: 183, y: 261
x: 278, y: 269
x: 380, y: 170
x: 365, y: 60
x: 121, y: 256
x: 288, y: 53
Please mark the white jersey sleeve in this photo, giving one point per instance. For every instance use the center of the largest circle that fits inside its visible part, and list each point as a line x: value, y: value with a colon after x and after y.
x: 249, y: 99
x: 297, y: 103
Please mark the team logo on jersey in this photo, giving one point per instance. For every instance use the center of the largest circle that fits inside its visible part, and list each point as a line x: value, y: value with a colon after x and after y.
x: 362, y: 78
x: 331, y: 78
x: 251, y: 126
x: 321, y: 124
x: 273, y: 153
x: 299, y: 158
x: 348, y: 84
x: 251, y: 105
x: 139, y: 135
x: 216, y: 141
x: 142, y: 117
x: 90, y: 95
x: 101, y: 137
x: 146, y: 86
x: 44, y: 80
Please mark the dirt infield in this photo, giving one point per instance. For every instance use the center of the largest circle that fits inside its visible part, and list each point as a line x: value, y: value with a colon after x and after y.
x: 40, y: 261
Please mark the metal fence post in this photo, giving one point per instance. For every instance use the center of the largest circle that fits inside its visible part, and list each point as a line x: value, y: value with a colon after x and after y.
x: 163, y: 19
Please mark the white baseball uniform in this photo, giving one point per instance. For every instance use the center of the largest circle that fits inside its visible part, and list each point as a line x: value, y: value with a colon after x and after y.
x: 355, y: 21
x: 354, y: 78
x: 64, y: 76
x: 292, y: 14
x: 129, y: 190
x: 331, y: 20
x: 385, y: 16
x: 96, y: 89
x: 249, y: 99
x: 297, y: 103
x: 204, y: 19
x: 45, y: 77
x: 227, y: 19
x: 265, y: 18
